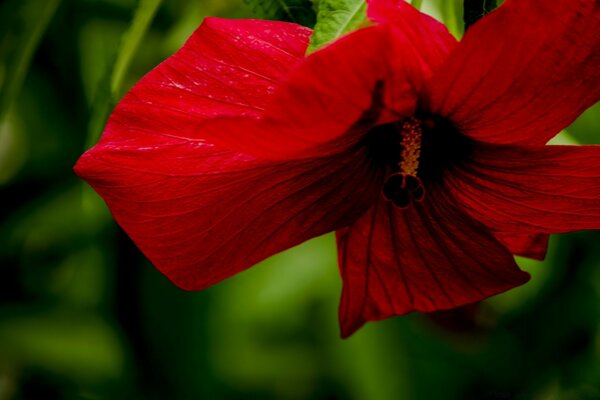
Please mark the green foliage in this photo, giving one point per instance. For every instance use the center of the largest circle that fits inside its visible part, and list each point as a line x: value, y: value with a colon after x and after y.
x: 587, y: 126
x: 417, y: 4
x: 109, y: 90
x: 336, y: 18
x: 450, y: 11
x: 62, y: 342
x: 22, y: 25
x: 299, y: 11
x: 142, y: 19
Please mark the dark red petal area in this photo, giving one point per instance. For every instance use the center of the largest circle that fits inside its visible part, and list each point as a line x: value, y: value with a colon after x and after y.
x: 381, y: 68
x: 202, y: 214
x: 198, y: 212
x: 526, y: 245
x: 547, y: 189
x: 523, y: 73
x: 428, y: 257
x: 320, y: 100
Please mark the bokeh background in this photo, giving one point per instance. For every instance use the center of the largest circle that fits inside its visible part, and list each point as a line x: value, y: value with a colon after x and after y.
x: 84, y: 316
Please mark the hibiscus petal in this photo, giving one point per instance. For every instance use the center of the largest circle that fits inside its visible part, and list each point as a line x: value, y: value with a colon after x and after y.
x: 547, y: 189
x: 522, y: 73
x: 531, y: 246
x: 202, y: 213
x: 432, y: 39
x: 320, y: 100
x: 372, y: 75
x: 227, y: 67
x: 428, y: 257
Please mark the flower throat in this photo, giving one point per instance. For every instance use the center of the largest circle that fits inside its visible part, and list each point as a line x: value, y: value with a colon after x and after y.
x: 414, y: 153
x: 405, y: 185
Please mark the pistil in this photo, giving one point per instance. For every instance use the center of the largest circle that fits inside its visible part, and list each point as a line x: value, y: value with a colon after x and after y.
x: 411, y: 132
x: 405, y: 185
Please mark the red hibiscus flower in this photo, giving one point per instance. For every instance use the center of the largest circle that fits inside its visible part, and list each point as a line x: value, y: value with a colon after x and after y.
x: 427, y: 156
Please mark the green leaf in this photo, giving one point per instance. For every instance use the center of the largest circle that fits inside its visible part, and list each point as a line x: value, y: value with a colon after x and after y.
x: 109, y: 90
x: 299, y: 11
x: 22, y: 26
x: 335, y: 18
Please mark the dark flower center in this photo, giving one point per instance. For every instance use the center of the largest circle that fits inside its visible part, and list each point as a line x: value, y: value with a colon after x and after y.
x: 415, y: 152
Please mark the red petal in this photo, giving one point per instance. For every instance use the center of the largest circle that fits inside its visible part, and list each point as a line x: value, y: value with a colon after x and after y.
x: 201, y: 213
x: 426, y: 258
x: 530, y: 246
x: 522, y: 73
x: 377, y: 71
x: 547, y: 189
x: 429, y: 36
x: 227, y: 67
x: 321, y: 100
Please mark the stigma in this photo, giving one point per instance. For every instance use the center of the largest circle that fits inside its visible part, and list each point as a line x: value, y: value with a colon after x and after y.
x: 403, y: 185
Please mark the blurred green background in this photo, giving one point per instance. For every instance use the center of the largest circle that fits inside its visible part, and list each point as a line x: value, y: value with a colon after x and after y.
x: 84, y: 316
